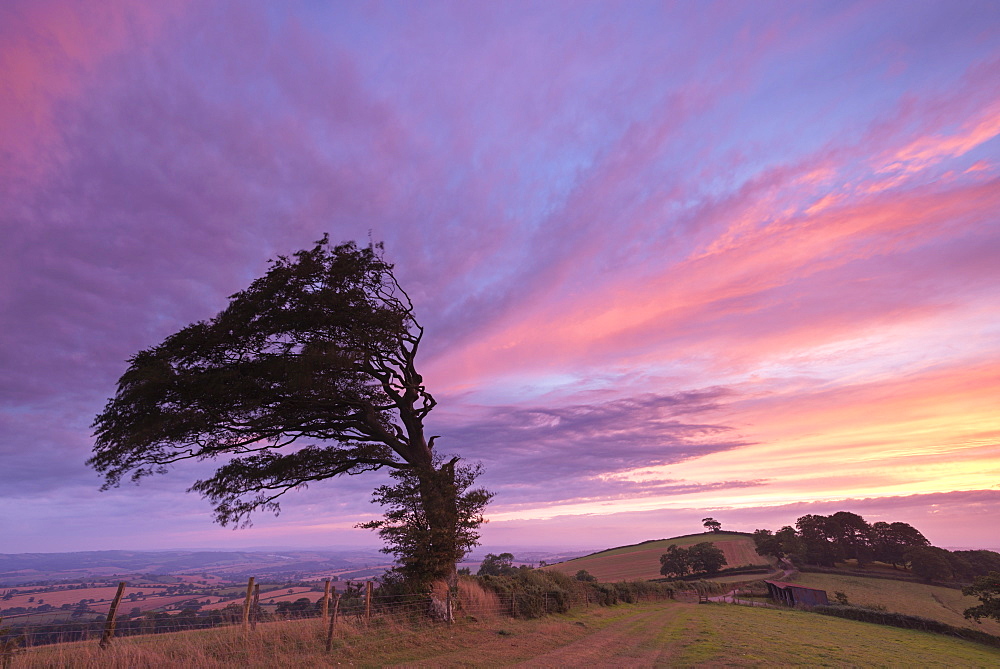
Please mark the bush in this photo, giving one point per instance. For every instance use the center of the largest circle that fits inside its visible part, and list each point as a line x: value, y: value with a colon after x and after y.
x: 533, y: 592
x: 627, y: 592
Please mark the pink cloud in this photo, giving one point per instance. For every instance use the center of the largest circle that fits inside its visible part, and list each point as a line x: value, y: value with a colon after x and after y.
x: 927, y: 151
x: 50, y: 52
x: 596, y: 209
x: 752, y: 273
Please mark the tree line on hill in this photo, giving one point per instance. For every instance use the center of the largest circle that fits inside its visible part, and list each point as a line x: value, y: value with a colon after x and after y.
x: 826, y: 540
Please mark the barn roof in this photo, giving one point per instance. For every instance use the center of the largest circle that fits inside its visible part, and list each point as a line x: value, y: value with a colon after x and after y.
x: 782, y: 584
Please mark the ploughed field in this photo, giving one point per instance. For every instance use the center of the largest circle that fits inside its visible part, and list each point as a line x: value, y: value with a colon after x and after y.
x: 674, y: 634
x: 642, y: 561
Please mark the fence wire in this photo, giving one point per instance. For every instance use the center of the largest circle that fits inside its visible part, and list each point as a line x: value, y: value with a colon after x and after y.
x: 350, y: 609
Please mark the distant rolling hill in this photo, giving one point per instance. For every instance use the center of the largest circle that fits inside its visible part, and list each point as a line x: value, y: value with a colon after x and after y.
x: 20, y: 568
x: 642, y: 561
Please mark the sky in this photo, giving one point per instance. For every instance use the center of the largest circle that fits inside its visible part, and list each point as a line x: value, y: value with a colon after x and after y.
x: 673, y: 259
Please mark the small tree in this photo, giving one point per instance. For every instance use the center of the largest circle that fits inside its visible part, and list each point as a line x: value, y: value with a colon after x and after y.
x: 987, y: 588
x: 674, y: 563
x: 497, y: 565
x: 584, y: 575
x: 706, y: 558
x: 792, y: 544
x: 408, y: 533
x: 768, y: 544
x: 711, y: 524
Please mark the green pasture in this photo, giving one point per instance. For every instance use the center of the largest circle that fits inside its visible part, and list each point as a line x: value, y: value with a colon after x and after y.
x: 914, y: 599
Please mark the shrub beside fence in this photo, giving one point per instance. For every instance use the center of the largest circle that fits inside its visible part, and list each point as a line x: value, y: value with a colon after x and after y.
x: 533, y: 593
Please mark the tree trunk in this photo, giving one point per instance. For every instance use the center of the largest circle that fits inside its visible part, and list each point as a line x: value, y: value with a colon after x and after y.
x: 439, y: 500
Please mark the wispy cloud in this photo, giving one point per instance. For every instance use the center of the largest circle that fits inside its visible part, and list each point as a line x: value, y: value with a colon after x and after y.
x: 653, y: 245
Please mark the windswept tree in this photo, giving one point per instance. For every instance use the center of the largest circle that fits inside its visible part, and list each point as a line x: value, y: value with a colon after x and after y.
x: 711, y: 524
x: 308, y: 374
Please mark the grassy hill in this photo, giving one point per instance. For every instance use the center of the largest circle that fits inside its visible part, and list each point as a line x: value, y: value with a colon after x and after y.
x: 642, y: 561
x: 914, y: 599
x: 648, y: 634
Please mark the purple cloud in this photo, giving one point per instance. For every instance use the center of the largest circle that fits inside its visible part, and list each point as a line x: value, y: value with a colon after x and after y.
x: 593, y: 206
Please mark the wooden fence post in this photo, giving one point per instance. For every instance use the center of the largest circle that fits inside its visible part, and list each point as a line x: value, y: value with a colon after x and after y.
x: 368, y: 602
x: 109, y: 626
x: 326, y: 600
x: 255, y: 606
x: 8, y: 646
x: 246, y: 604
x: 333, y: 621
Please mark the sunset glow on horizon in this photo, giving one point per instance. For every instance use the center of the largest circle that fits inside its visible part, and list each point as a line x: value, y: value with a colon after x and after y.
x: 672, y: 259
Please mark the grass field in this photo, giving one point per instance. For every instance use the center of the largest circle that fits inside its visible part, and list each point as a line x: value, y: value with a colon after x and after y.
x: 642, y: 561
x: 644, y: 635
x: 915, y: 599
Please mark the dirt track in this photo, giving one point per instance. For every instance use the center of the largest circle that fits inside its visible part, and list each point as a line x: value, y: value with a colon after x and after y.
x: 633, y: 641
x: 678, y: 634
x: 620, y: 636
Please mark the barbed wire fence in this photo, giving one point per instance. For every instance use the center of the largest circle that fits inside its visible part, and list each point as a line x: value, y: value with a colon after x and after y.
x: 357, y: 606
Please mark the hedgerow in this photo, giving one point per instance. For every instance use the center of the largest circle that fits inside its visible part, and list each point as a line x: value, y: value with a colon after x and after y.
x: 869, y: 615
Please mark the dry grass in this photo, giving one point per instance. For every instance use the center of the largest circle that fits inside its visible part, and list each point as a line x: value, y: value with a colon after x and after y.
x: 270, y: 645
x: 476, y: 601
x: 649, y: 634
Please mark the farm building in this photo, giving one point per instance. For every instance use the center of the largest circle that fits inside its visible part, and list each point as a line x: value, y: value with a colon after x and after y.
x: 792, y: 594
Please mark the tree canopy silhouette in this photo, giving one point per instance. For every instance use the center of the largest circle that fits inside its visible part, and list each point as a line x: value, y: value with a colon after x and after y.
x: 308, y: 374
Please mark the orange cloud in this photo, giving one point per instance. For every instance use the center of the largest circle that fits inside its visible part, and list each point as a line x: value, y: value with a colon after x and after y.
x: 932, y: 432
